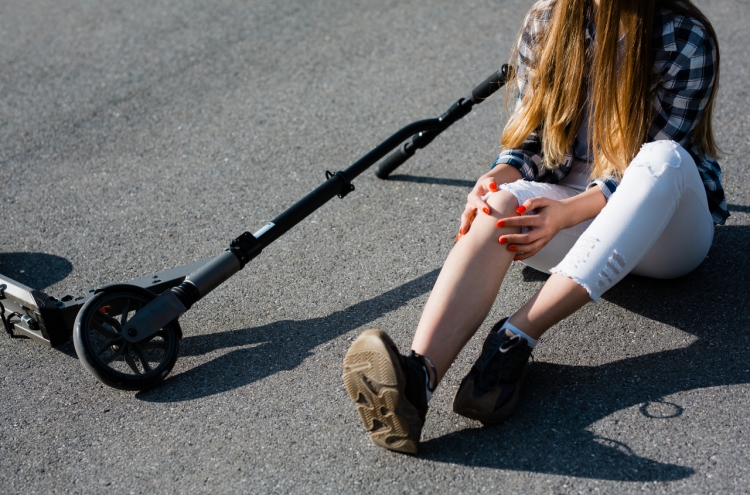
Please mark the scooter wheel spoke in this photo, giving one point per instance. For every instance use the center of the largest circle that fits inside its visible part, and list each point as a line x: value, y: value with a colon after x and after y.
x: 131, y: 362
x: 136, y: 349
x: 108, y: 345
x: 105, y: 329
x: 119, y: 352
x: 124, y: 315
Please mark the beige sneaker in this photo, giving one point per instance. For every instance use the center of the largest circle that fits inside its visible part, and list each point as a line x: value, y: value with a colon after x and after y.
x: 389, y: 390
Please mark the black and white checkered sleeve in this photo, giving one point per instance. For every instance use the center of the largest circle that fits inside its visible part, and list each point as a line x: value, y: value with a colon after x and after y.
x: 686, y: 83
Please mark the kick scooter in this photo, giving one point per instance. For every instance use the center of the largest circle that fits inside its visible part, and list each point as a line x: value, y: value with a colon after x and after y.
x: 127, y: 335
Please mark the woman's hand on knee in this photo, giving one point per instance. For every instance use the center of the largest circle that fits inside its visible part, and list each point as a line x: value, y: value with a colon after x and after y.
x: 547, y: 217
x: 474, y: 203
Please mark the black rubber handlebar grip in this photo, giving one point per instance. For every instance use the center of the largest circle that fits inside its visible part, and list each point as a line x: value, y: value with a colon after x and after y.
x: 392, y: 162
x: 490, y: 85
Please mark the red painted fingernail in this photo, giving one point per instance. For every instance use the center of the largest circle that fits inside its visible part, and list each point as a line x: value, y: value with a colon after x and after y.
x: 511, y: 248
x: 521, y: 210
x: 486, y: 210
x: 503, y: 240
x: 458, y: 237
x: 500, y: 223
x: 516, y: 259
x: 493, y: 187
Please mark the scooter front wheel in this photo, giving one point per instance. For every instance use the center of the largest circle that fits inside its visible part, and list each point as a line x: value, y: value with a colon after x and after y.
x: 104, y: 352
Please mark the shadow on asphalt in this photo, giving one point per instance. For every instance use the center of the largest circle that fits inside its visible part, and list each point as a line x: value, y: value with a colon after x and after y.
x: 550, y: 432
x: 432, y: 180
x: 265, y: 350
x: 35, y: 270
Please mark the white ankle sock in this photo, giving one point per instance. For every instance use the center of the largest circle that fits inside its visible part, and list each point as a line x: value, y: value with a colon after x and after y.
x: 518, y: 331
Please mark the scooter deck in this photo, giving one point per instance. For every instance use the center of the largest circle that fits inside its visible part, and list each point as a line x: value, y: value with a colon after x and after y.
x: 32, y: 313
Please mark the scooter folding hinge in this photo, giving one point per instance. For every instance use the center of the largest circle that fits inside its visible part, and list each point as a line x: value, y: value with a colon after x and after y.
x: 245, y: 247
x: 347, y: 183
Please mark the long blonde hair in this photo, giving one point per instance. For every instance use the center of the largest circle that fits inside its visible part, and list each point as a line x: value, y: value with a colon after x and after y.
x: 621, y: 91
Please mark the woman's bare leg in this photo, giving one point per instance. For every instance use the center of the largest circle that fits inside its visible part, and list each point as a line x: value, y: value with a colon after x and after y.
x: 558, y: 298
x: 466, y: 287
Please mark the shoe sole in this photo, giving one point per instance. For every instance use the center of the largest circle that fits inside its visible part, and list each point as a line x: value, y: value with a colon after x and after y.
x: 374, y: 380
x: 463, y: 405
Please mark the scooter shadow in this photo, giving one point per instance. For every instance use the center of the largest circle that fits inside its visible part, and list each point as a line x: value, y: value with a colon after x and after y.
x: 439, y: 181
x: 260, y: 352
x: 35, y: 270
x: 550, y: 431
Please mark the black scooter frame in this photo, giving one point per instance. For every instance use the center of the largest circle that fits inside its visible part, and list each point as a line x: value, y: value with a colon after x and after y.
x: 31, y: 313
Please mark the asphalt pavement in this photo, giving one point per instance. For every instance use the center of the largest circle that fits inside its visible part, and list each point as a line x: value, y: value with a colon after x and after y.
x: 139, y: 136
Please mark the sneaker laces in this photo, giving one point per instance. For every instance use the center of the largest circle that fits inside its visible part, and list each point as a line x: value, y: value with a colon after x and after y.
x: 503, y: 360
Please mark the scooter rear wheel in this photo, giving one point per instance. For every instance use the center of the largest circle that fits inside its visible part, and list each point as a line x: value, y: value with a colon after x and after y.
x: 104, y: 352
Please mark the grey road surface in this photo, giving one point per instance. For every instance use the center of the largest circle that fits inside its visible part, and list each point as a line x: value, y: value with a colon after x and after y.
x: 138, y: 136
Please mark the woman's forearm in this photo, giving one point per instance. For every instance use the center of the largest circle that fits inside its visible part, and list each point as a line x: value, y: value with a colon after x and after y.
x: 504, y: 174
x: 584, y: 206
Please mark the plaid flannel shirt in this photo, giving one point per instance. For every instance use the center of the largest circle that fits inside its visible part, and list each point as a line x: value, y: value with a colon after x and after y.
x: 684, y: 71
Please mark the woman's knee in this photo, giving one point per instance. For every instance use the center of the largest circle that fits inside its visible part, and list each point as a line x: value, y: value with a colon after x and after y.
x: 661, y: 170
x: 657, y: 157
x: 502, y: 204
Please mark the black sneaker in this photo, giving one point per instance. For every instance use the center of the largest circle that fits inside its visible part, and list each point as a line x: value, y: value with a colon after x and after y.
x: 390, y: 390
x: 489, y: 393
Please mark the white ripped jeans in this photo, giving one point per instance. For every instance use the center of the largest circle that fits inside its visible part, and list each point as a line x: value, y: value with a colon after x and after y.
x: 657, y: 224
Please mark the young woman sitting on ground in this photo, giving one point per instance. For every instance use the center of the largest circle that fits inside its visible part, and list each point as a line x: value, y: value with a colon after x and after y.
x: 607, y: 169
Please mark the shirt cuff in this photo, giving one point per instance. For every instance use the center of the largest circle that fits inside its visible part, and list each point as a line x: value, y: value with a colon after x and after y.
x: 607, y: 186
x: 519, y: 161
